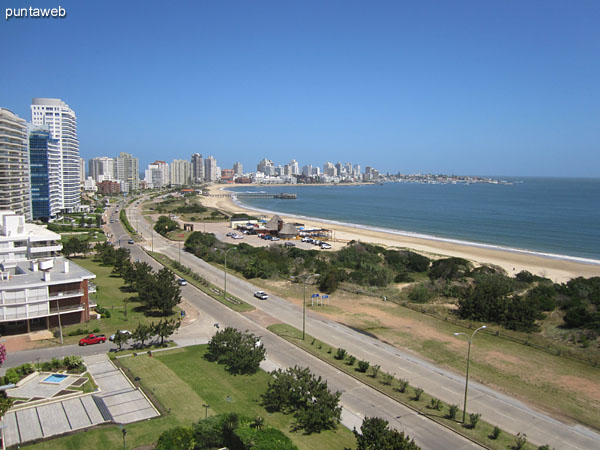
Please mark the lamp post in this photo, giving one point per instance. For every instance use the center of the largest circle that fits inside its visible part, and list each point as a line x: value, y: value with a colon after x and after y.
x: 124, y: 430
x: 225, y: 270
x: 470, y: 339
x: 205, y: 410
x: 305, y: 279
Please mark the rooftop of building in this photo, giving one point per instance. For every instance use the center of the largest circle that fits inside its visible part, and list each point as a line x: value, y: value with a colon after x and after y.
x: 42, y: 272
x: 13, y: 227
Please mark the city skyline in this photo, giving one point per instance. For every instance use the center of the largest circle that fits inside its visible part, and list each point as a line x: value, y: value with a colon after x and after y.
x: 464, y: 87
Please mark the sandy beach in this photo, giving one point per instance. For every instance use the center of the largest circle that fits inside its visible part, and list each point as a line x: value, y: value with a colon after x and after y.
x: 558, y: 270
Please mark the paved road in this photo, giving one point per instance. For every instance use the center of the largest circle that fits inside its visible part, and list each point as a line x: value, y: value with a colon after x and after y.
x: 508, y: 413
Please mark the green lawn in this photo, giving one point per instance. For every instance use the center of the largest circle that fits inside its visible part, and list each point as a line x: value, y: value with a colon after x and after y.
x: 111, y: 294
x: 182, y: 381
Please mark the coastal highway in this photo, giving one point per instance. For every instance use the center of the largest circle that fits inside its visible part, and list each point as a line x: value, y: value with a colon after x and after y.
x: 508, y: 413
x: 357, y: 399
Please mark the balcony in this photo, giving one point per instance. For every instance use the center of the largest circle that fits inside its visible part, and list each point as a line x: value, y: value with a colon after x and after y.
x: 65, y: 294
x: 66, y: 309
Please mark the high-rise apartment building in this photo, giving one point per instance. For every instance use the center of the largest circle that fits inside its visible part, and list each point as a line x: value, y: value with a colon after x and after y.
x: 62, y: 123
x: 266, y: 166
x: 210, y: 169
x: 329, y: 169
x: 102, y: 168
x: 238, y: 169
x: 294, y: 167
x: 14, y: 164
x: 197, y: 168
x: 128, y: 171
x: 46, y: 180
x: 181, y: 172
x: 157, y: 174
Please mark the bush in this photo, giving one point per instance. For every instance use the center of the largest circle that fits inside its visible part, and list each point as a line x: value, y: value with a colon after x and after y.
x: 351, y: 360
x: 420, y: 294
x: 363, y: 366
x: 179, y: 438
x: 473, y: 419
x: 496, y: 433
x: 78, y: 331
x: 436, y: 404
x: 418, y: 393
x: 341, y: 354
x: 403, y: 385
x: 375, y: 370
x: 520, y: 441
x: 387, y: 378
x: 11, y: 376
x: 452, y: 412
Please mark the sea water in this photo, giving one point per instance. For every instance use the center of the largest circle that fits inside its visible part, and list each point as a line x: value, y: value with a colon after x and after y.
x: 554, y: 216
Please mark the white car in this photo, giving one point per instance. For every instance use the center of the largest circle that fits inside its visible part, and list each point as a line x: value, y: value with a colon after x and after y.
x: 182, y: 282
x: 261, y: 295
x: 237, y: 236
x: 125, y: 332
x: 325, y: 245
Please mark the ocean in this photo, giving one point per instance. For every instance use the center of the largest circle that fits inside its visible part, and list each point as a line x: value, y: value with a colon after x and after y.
x: 557, y: 217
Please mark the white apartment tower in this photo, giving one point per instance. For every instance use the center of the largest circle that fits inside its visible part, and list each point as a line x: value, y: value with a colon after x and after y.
x: 62, y: 123
x: 210, y: 169
x: 127, y: 171
x: 238, y: 169
x: 102, y: 168
x: 181, y: 172
x: 14, y: 164
x: 197, y: 168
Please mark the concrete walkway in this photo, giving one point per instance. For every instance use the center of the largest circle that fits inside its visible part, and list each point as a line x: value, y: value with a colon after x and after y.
x: 117, y: 401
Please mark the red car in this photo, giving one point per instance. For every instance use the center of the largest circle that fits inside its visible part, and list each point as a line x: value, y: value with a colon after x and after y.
x: 93, y: 339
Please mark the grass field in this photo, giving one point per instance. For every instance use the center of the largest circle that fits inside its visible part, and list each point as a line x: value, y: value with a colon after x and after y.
x: 111, y: 294
x: 183, y: 381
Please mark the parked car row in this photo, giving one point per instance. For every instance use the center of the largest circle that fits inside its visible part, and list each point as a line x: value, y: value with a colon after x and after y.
x: 323, y: 245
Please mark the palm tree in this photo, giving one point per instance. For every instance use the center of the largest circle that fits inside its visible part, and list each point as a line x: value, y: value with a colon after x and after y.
x: 259, y: 423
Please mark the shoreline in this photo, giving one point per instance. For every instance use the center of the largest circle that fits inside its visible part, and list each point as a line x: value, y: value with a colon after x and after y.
x: 559, y: 268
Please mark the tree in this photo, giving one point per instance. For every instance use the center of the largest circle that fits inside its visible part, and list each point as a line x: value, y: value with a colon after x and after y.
x: 160, y: 291
x: 120, y: 339
x: 71, y: 246
x: 142, y: 333
x: 297, y: 390
x: 165, y: 224
x: 376, y: 435
x: 242, y: 353
x: 178, y: 438
x: 165, y: 328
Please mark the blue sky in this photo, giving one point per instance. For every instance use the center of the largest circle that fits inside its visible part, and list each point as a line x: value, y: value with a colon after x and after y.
x: 466, y: 87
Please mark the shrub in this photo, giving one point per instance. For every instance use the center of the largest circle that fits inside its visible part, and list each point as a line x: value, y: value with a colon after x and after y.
x: 419, y: 294
x: 78, y: 331
x: 175, y: 439
x: 473, y: 419
x: 418, y: 393
x: 387, y: 378
x: 403, y: 385
x: 496, y: 433
x: 436, y: 404
x: 545, y: 447
x: 341, y: 354
x: 351, y: 360
x: 11, y: 376
x: 375, y: 370
x: 73, y: 362
x: 520, y: 441
x: 363, y: 366
x: 452, y: 411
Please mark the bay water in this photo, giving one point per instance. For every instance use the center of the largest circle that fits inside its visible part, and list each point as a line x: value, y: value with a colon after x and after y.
x: 558, y: 217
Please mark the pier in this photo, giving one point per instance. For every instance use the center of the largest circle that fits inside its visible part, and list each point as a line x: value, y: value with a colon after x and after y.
x: 282, y: 195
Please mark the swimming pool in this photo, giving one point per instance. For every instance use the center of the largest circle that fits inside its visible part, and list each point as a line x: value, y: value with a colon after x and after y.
x: 55, y: 378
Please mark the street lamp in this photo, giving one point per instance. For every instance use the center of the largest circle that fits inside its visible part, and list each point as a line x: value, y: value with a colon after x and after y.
x: 470, y: 339
x: 124, y: 430
x: 205, y: 410
x: 225, y: 269
x: 304, y: 280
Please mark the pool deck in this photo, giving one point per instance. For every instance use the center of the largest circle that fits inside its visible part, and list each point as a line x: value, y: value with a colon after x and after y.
x: 116, y: 401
